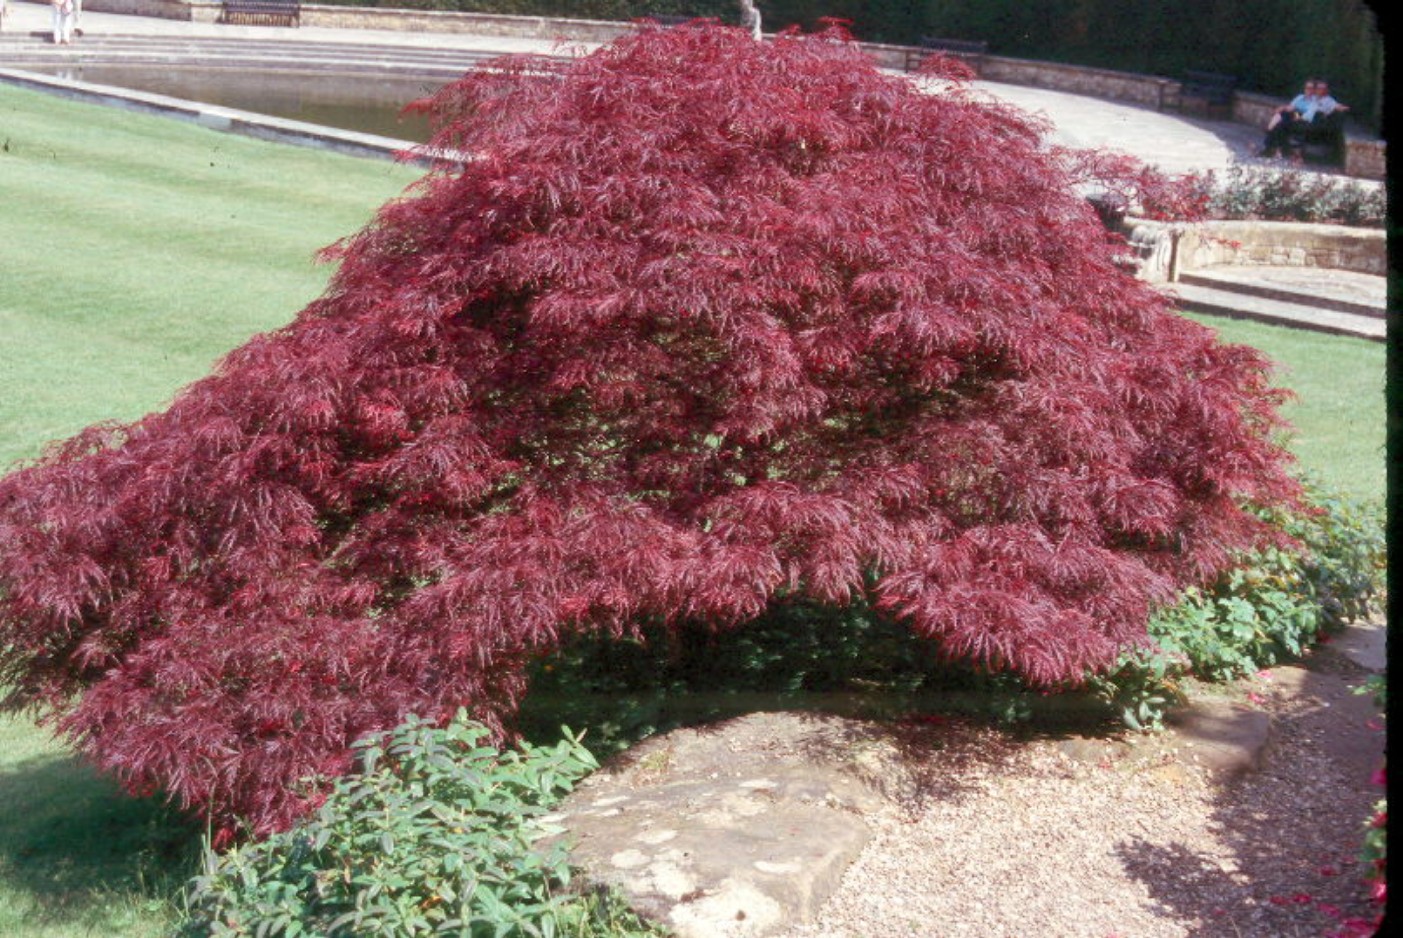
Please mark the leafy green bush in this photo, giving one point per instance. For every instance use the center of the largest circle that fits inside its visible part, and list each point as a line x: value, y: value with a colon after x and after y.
x: 1255, y: 616
x: 798, y: 654
x: 1269, y: 608
x: 1142, y: 688
x: 1288, y: 194
x: 440, y: 833
x: 1346, y: 553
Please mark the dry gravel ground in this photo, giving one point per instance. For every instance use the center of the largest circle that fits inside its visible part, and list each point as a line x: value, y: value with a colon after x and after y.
x: 1010, y: 838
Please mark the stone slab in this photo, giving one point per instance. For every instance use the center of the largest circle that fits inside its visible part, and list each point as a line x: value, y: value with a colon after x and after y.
x: 1225, y: 738
x: 735, y: 829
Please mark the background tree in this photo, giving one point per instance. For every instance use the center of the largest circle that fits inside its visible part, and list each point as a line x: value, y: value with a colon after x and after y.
x: 704, y: 324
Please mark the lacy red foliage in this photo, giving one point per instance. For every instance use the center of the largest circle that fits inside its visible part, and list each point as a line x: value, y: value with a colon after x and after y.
x: 704, y: 322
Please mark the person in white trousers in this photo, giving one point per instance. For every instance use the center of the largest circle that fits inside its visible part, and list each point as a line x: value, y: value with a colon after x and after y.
x: 63, y: 21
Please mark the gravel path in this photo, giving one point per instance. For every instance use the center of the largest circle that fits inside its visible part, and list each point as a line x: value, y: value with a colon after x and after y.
x: 1017, y: 839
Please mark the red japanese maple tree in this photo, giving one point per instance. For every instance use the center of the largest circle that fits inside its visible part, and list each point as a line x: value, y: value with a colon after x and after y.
x: 703, y: 322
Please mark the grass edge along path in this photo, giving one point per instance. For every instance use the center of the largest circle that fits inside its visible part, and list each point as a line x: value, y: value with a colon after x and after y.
x: 134, y: 251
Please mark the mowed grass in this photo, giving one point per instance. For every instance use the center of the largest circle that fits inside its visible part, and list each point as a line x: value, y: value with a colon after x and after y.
x: 1338, y: 417
x: 134, y: 252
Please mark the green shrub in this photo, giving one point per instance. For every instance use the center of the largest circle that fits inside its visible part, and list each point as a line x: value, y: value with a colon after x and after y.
x: 1288, y: 194
x: 1255, y: 616
x: 439, y: 834
x: 1346, y: 553
x: 1142, y: 688
x: 1268, y: 609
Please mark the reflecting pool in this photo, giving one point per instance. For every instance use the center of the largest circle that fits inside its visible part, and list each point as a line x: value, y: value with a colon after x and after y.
x: 362, y: 102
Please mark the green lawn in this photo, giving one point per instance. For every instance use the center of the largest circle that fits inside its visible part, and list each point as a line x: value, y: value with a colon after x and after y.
x: 134, y: 251
x: 1338, y: 417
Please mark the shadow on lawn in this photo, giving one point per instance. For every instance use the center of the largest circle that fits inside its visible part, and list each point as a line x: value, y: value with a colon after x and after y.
x: 77, y: 845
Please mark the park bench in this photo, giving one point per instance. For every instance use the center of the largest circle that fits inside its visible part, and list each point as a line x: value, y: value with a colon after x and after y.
x: 1212, y: 90
x: 1320, y: 141
x: 262, y: 12
x: 929, y: 45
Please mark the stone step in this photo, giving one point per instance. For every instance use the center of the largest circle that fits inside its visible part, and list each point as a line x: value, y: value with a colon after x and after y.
x: 1197, y: 298
x: 1347, y: 292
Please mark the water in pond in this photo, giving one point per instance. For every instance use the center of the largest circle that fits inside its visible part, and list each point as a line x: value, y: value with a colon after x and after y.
x: 361, y: 102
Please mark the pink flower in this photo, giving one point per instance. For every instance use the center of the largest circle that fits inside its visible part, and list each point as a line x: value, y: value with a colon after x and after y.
x: 1278, y: 900
x: 1379, y: 892
x: 1331, y: 910
x: 1380, y: 776
x: 1327, y: 870
x: 1301, y: 898
x: 1256, y: 698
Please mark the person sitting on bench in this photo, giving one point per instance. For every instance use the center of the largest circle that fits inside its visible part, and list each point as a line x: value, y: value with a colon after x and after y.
x: 1285, y: 118
x: 1324, y: 125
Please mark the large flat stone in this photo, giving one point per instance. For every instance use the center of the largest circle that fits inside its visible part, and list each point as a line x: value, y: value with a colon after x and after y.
x: 1225, y: 738
x: 737, y: 829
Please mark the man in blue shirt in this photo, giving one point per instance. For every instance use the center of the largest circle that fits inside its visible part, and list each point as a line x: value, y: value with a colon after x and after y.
x: 1302, y: 108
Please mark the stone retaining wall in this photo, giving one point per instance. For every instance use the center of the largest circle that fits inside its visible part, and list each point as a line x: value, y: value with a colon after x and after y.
x: 483, y: 24
x: 156, y: 9
x: 1147, y: 90
x: 1164, y: 250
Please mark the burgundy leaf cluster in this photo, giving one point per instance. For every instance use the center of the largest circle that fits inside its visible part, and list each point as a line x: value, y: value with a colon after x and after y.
x: 704, y: 322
